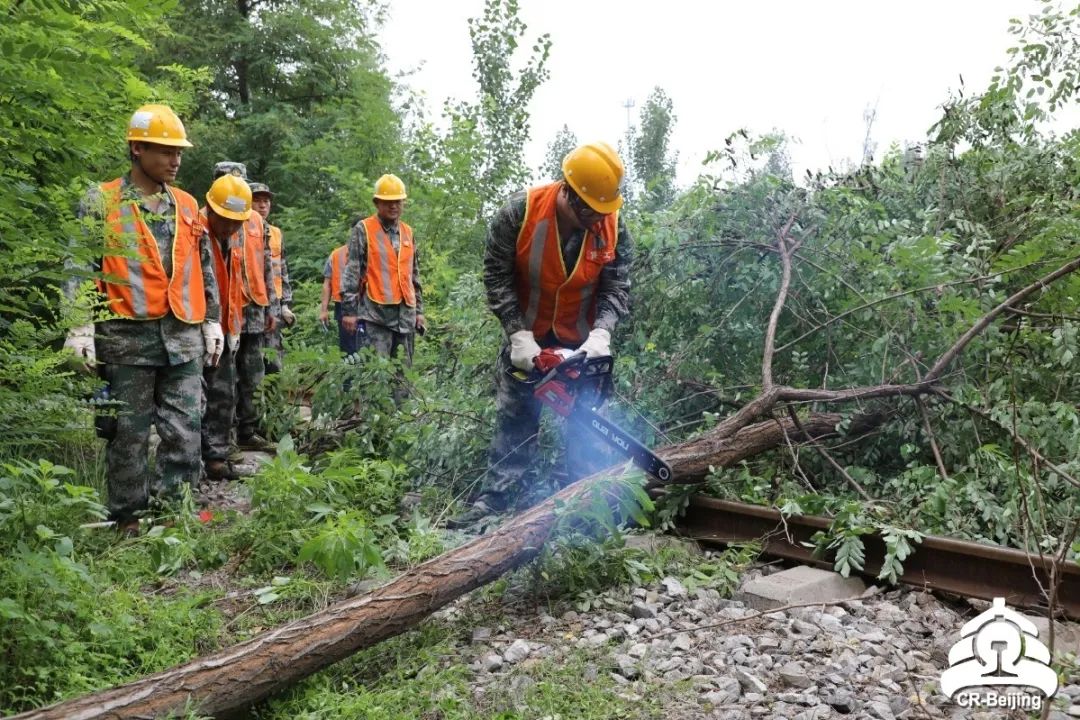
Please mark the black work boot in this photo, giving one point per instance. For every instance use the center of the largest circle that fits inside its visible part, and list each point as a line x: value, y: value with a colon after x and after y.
x: 221, y: 470
x: 255, y: 441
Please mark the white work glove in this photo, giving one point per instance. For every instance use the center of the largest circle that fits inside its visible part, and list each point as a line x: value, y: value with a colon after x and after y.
x: 233, y: 341
x: 81, y: 342
x: 523, y: 349
x: 598, y: 344
x: 287, y: 316
x: 215, y: 342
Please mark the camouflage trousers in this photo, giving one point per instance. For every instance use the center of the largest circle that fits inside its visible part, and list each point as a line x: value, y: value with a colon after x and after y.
x: 219, y: 384
x: 250, y: 371
x: 512, y: 475
x: 168, y: 397
x: 277, y: 360
x: 386, y: 342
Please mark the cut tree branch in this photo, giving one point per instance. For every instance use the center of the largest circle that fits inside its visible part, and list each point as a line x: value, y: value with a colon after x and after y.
x: 896, y: 296
x: 945, y: 360
x: 785, y: 247
x: 1018, y: 439
x: 829, y: 458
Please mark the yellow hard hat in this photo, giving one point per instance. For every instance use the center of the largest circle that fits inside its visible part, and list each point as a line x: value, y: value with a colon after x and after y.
x: 157, y: 124
x: 594, y: 171
x: 389, y: 187
x: 230, y: 197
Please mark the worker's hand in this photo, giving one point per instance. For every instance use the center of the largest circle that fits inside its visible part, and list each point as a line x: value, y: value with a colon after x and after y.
x: 80, y: 340
x: 287, y: 316
x: 421, y: 324
x: 324, y: 317
x: 271, y: 322
x: 523, y: 350
x: 214, y: 339
x: 349, y: 323
x: 598, y: 344
x: 233, y: 341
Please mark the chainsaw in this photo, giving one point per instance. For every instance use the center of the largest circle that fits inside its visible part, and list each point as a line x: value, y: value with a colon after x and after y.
x: 574, y: 389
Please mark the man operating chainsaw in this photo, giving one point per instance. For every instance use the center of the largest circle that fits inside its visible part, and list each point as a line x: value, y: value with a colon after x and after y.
x: 557, y: 273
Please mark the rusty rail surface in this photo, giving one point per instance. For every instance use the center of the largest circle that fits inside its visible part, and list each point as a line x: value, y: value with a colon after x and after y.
x: 955, y: 566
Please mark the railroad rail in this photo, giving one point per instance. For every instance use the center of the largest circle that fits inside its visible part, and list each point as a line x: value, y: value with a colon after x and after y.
x: 954, y: 566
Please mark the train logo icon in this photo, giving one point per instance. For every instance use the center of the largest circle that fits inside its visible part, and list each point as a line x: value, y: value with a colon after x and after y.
x: 999, y: 648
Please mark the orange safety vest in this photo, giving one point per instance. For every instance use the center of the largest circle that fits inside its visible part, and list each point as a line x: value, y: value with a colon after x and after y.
x: 338, y: 260
x: 230, y: 286
x: 275, y: 257
x: 136, y: 284
x: 251, y: 234
x: 550, y: 298
x: 389, y: 275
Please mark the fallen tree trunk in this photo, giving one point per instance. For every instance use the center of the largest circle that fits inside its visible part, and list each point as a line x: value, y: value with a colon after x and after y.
x: 229, y: 681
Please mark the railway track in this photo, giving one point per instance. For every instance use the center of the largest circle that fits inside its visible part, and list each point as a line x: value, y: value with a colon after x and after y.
x: 953, y: 566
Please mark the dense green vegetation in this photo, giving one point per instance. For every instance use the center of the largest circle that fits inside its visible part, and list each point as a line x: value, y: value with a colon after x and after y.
x: 897, y: 260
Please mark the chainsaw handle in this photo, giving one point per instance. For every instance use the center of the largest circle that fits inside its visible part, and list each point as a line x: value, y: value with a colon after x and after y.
x: 574, y: 361
x: 536, y: 377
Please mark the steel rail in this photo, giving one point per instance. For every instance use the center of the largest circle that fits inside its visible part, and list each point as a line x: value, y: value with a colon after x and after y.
x: 965, y: 568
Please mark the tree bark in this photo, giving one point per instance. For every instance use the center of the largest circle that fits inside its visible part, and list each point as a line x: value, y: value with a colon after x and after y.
x: 229, y: 681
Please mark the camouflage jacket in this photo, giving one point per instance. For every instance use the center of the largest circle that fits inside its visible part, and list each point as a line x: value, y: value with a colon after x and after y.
x: 400, y: 318
x: 167, y: 341
x: 613, y: 292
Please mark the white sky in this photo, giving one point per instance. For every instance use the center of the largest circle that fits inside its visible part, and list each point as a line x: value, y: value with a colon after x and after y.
x: 810, y: 68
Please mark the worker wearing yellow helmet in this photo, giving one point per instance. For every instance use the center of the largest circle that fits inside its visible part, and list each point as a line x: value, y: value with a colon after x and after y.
x: 557, y: 274
x: 261, y: 317
x: 156, y: 276
x: 228, y: 206
x: 245, y: 280
x: 380, y: 286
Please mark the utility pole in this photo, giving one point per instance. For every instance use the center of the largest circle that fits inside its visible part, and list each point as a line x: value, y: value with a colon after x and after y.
x: 629, y: 104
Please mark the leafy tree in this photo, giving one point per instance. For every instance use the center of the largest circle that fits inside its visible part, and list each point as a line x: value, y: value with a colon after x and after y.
x: 652, y: 163
x: 897, y: 261
x: 499, y: 116
x: 298, y: 93
x: 565, y: 141
x: 466, y: 171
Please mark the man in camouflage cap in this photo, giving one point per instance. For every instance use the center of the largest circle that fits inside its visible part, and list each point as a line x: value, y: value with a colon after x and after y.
x: 228, y: 167
x: 557, y: 274
x: 157, y: 277
x: 261, y: 316
x: 263, y: 200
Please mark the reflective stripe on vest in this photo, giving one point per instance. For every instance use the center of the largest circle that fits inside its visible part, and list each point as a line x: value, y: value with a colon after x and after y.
x: 230, y: 286
x: 251, y: 234
x: 550, y: 298
x: 338, y: 259
x: 134, y: 280
x: 275, y: 257
x: 389, y: 274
